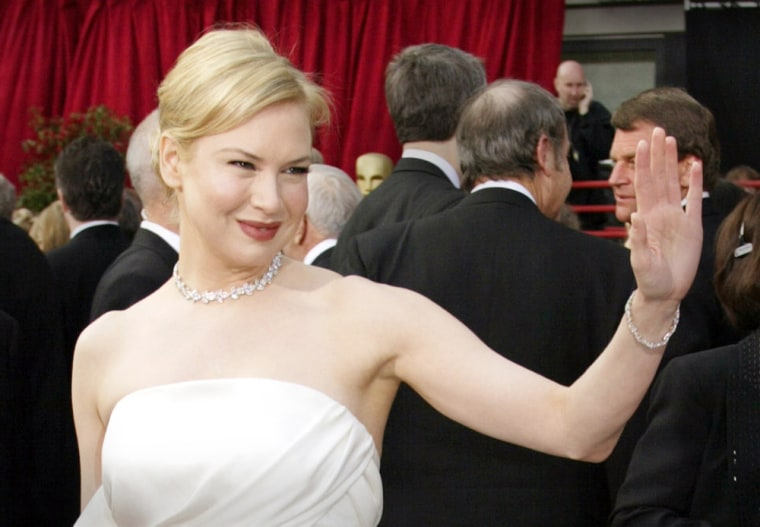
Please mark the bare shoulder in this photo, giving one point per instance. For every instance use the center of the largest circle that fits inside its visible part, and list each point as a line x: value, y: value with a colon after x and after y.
x: 390, y: 310
x: 113, y: 353
x: 356, y: 302
x: 109, y: 327
x: 110, y: 333
x: 354, y: 290
x: 96, y: 352
x: 339, y: 290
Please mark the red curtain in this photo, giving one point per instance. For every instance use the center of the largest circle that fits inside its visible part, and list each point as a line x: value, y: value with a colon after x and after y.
x: 67, y: 55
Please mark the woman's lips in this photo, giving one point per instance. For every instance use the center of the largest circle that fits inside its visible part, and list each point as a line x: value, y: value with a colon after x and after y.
x: 262, y: 232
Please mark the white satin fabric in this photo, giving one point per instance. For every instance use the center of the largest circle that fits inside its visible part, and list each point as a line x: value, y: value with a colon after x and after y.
x: 235, y: 452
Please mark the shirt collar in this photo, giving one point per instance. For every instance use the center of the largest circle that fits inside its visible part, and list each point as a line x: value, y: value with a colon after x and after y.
x: 318, y: 249
x: 505, y: 183
x: 172, y: 238
x: 705, y: 195
x: 435, y: 159
x: 88, y: 224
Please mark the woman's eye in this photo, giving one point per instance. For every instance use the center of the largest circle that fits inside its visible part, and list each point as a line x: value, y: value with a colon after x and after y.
x: 242, y: 164
x: 297, y: 170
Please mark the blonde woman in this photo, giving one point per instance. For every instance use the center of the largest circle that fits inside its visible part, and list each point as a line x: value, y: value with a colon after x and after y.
x: 252, y: 389
x: 49, y: 228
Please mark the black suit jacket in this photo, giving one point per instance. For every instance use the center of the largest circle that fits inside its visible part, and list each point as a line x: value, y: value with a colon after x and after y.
x: 77, y: 268
x: 136, y: 273
x: 699, y: 437
x: 703, y: 326
x: 415, y: 189
x: 546, y: 297
x: 9, y: 335
x: 40, y: 465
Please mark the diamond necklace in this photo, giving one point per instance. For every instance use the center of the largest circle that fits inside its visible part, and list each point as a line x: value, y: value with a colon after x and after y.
x: 220, y: 295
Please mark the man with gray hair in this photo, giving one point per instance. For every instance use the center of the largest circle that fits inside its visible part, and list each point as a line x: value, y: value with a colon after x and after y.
x: 541, y: 294
x: 333, y: 196
x: 148, y: 261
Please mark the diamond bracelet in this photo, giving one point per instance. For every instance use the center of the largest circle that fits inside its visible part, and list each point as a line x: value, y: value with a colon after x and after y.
x: 635, y: 331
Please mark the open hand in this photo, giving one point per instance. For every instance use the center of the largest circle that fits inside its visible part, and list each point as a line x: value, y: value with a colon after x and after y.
x: 665, y: 240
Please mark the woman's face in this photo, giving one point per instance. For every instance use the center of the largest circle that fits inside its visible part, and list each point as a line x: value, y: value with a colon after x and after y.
x: 243, y: 192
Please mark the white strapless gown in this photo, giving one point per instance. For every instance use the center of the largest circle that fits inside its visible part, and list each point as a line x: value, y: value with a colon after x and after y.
x: 235, y: 452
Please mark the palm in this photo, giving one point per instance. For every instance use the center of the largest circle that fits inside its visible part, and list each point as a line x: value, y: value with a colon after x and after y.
x: 665, y: 240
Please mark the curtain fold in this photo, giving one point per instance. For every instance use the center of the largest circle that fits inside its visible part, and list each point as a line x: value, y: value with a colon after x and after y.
x: 38, y: 40
x: 67, y: 55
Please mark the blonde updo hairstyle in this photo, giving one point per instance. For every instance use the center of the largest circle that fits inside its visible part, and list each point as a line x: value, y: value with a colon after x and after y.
x: 225, y: 78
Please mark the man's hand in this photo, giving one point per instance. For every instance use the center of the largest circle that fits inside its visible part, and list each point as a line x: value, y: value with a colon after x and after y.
x: 585, y: 103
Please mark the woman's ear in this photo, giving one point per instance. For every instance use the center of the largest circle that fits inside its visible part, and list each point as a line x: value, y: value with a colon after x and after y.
x: 301, y: 231
x: 168, y: 162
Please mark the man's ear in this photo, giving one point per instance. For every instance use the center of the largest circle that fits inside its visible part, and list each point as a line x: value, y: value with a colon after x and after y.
x: 168, y: 162
x: 64, y: 205
x: 544, y: 154
x: 684, y: 168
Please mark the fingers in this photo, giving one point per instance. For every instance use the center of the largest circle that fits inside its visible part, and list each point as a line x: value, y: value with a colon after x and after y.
x: 642, y: 182
x: 656, y: 178
x: 694, y: 194
x: 637, y: 236
x: 672, y: 179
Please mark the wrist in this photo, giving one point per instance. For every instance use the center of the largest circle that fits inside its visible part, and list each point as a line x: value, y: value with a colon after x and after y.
x: 651, y: 323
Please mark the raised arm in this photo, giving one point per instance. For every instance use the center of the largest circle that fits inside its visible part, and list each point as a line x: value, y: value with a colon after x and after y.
x: 583, y: 421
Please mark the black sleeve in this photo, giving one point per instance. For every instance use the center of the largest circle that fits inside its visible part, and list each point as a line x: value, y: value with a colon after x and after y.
x: 659, y: 487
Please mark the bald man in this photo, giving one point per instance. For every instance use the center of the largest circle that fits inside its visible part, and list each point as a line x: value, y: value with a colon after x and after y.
x: 588, y: 124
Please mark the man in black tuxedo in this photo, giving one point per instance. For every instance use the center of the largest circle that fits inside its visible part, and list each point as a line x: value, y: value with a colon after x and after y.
x: 333, y: 197
x: 90, y: 176
x: 148, y: 261
x: 425, y: 88
x: 543, y: 295
x: 703, y: 323
x: 39, y: 480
